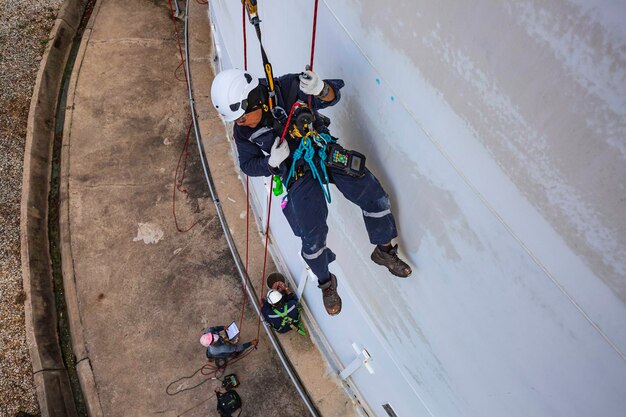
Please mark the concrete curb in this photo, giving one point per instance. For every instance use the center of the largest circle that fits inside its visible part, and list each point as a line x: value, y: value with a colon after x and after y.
x: 79, y: 347
x: 52, y: 384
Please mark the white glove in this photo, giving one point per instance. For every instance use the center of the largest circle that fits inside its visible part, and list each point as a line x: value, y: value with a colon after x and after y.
x: 278, y: 153
x: 311, y: 83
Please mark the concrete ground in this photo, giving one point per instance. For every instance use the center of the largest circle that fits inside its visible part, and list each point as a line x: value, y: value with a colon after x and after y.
x: 145, y: 290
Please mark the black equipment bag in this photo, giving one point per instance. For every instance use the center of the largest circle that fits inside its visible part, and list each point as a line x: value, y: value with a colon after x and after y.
x: 228, y: 402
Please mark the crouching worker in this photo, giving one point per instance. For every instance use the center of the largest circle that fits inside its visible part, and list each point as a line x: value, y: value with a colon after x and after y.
x: 281, y: 309
x: 220, y: 346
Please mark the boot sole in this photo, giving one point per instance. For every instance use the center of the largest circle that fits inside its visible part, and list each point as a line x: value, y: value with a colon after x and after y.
x: 334, y: 314
x: 389, y: 269
x: 334, y: 278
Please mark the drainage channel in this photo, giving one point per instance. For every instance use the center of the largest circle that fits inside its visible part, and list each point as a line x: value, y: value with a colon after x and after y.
x: 53, y: 222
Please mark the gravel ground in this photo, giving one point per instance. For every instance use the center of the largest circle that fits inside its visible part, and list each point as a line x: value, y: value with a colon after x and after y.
x: 24, y: 29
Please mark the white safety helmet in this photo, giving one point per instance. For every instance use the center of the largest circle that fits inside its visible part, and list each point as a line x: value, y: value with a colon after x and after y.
x: 229, y: 92
x: 274, y: 297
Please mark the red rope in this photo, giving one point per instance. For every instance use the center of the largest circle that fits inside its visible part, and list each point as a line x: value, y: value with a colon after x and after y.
x: 176, y: 71
x: 245, y: 67
x: 267, y: 235
x: 269, y: 204
x: 294, y: 107
x: 179, y: 183
x: 180, y: 47
x: 247, y: 218
x: 313, y: 41
x: 209, y: 369
x: 313, y: 35
x: 267, y: 227
x: 245, y: 285
x: 243, y: 25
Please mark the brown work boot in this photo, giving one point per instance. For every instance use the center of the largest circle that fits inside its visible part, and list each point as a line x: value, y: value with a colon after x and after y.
x: 332, y: 301
x: 390, y: 259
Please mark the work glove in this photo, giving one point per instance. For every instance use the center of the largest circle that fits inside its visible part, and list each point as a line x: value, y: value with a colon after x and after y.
x: 311, y: 83
x: 279, y: 153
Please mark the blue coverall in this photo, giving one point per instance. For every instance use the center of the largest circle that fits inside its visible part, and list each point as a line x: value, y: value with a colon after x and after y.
x: 221, y: 349
x: 306, y: 209
x: 289, y: 307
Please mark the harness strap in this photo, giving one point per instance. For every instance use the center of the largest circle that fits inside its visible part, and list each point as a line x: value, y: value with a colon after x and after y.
x: 284, y: 315
x: 288, y: 320
x: 258, y: 133
x: 279, y: 313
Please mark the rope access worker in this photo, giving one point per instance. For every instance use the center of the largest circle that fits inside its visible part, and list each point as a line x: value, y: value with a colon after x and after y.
x: 241, y: 98
x: 219, y: 348
x: 280, y: 309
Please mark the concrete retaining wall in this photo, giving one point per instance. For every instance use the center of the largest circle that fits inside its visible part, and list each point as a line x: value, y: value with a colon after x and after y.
x: 51, y: 379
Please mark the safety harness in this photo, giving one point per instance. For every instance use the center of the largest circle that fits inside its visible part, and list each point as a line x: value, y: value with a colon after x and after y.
x: 288, y: 321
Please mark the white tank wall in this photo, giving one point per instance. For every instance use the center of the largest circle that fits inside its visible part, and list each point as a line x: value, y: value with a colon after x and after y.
x: 499, y: 131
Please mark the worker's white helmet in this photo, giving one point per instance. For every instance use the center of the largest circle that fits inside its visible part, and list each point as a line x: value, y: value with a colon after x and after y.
x: 274, y: 297
x: 229, y: 92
